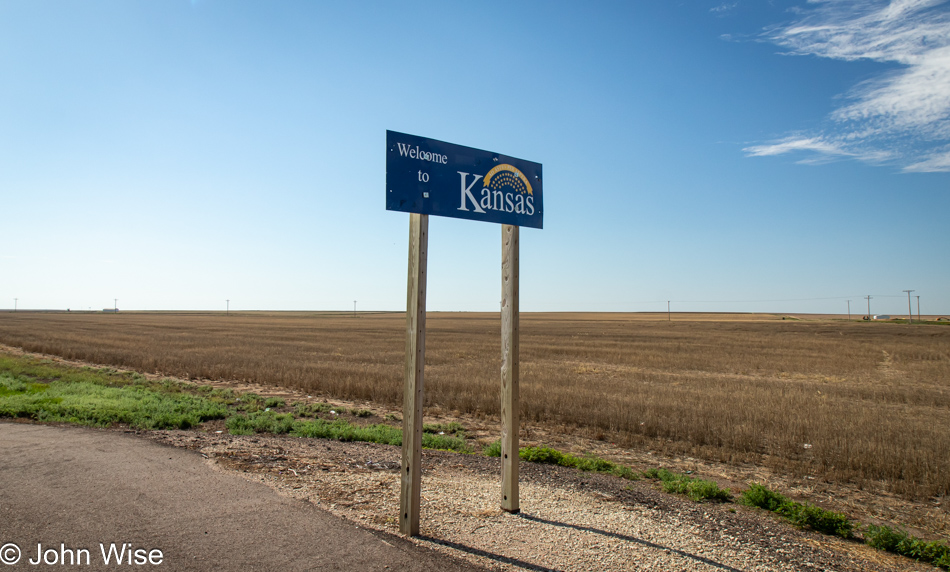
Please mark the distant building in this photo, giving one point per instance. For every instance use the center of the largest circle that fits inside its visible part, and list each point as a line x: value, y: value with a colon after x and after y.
x: 882, y: 317
x: 115, y: 310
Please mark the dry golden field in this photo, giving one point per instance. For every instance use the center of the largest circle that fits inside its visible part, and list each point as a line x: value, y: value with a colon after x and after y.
x: 844, y: 401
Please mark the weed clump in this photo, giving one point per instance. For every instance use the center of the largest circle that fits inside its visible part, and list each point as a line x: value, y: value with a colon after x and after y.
x: 452, y: 428
x: 250, y: 402
x: 803, y: 515
x: 759, y: 496
x: 899, y: 542
x: 337, y: 429
x: 443, y: 442
x: 260, y: 422
x: 341, y: 430
x: 810, y: 516
x: 311, y: 409
x: 696, y: 489
x: 554, y: 457
x: 492, y: 449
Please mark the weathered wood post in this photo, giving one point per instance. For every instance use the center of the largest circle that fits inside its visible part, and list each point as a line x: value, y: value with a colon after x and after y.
x: 510, y: 366
x: 411, y: 489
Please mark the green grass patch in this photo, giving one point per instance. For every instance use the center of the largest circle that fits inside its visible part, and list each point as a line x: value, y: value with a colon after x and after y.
x: 48, y: 392
x: 249, y: 402
x: 443, y: 442
x: 810, y: 516
x: 46, y: 371
x: 337, y: 429
x: 311, y: 409
x: 900, y: 542
x: 341, y: 430
x: 803, y: 515
x: 86, y: 396
x: 260, y: 422
x: 550, y: 456
x: 452, y: 428
x: 696, y: 489
x: 218, y: 395
x: 761, y: 497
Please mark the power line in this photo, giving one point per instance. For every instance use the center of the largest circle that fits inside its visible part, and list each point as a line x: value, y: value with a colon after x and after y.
x: 762, y: 301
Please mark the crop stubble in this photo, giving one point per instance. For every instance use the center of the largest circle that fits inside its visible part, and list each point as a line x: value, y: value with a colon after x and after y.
x: 844, y: 401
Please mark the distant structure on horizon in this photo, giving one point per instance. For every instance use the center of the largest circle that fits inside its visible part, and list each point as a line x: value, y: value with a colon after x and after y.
x: 110, y: 310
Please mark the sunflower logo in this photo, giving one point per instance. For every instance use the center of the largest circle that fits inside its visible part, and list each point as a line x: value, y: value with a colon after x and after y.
x: 506, y: 176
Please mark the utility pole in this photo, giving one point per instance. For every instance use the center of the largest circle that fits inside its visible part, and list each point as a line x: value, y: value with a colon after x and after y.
x: 910, y: 313
x: 354, y: 308
x: 869, y: 306
x: 15, y: 302
x: 668, y: 317
x: 227, y: 308
x: 115, y: 305
x: 849, y: 310
x: 918, y: 308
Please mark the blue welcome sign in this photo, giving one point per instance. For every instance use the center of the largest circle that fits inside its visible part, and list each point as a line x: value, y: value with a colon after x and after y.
x: 433, y: 177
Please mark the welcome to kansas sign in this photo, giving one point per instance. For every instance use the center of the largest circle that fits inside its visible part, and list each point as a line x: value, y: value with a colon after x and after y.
x: 433, y: 177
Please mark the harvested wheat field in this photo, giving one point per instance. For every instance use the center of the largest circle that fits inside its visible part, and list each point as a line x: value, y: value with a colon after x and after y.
x: 835, y: 409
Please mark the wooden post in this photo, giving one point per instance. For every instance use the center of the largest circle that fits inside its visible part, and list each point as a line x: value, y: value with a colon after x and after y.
x: 510, y: 398
x: 411, y: 490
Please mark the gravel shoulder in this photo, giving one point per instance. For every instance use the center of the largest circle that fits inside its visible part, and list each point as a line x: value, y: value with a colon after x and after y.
x: 570, y: 521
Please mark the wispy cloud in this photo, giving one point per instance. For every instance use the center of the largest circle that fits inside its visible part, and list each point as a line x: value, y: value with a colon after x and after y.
x: 902, y: 117
x: 724, y: 7
x: 797, y: 143
x: 936, y: 161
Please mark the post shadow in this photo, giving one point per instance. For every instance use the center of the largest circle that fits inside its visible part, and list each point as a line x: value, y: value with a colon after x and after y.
x: 486, y: 554
x: 627, y: 538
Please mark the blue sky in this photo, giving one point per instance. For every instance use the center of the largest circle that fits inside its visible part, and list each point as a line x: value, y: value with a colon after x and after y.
x: 781, y: 156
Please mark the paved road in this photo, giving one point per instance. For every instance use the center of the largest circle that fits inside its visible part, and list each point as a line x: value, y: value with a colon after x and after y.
x: 75, y: 488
